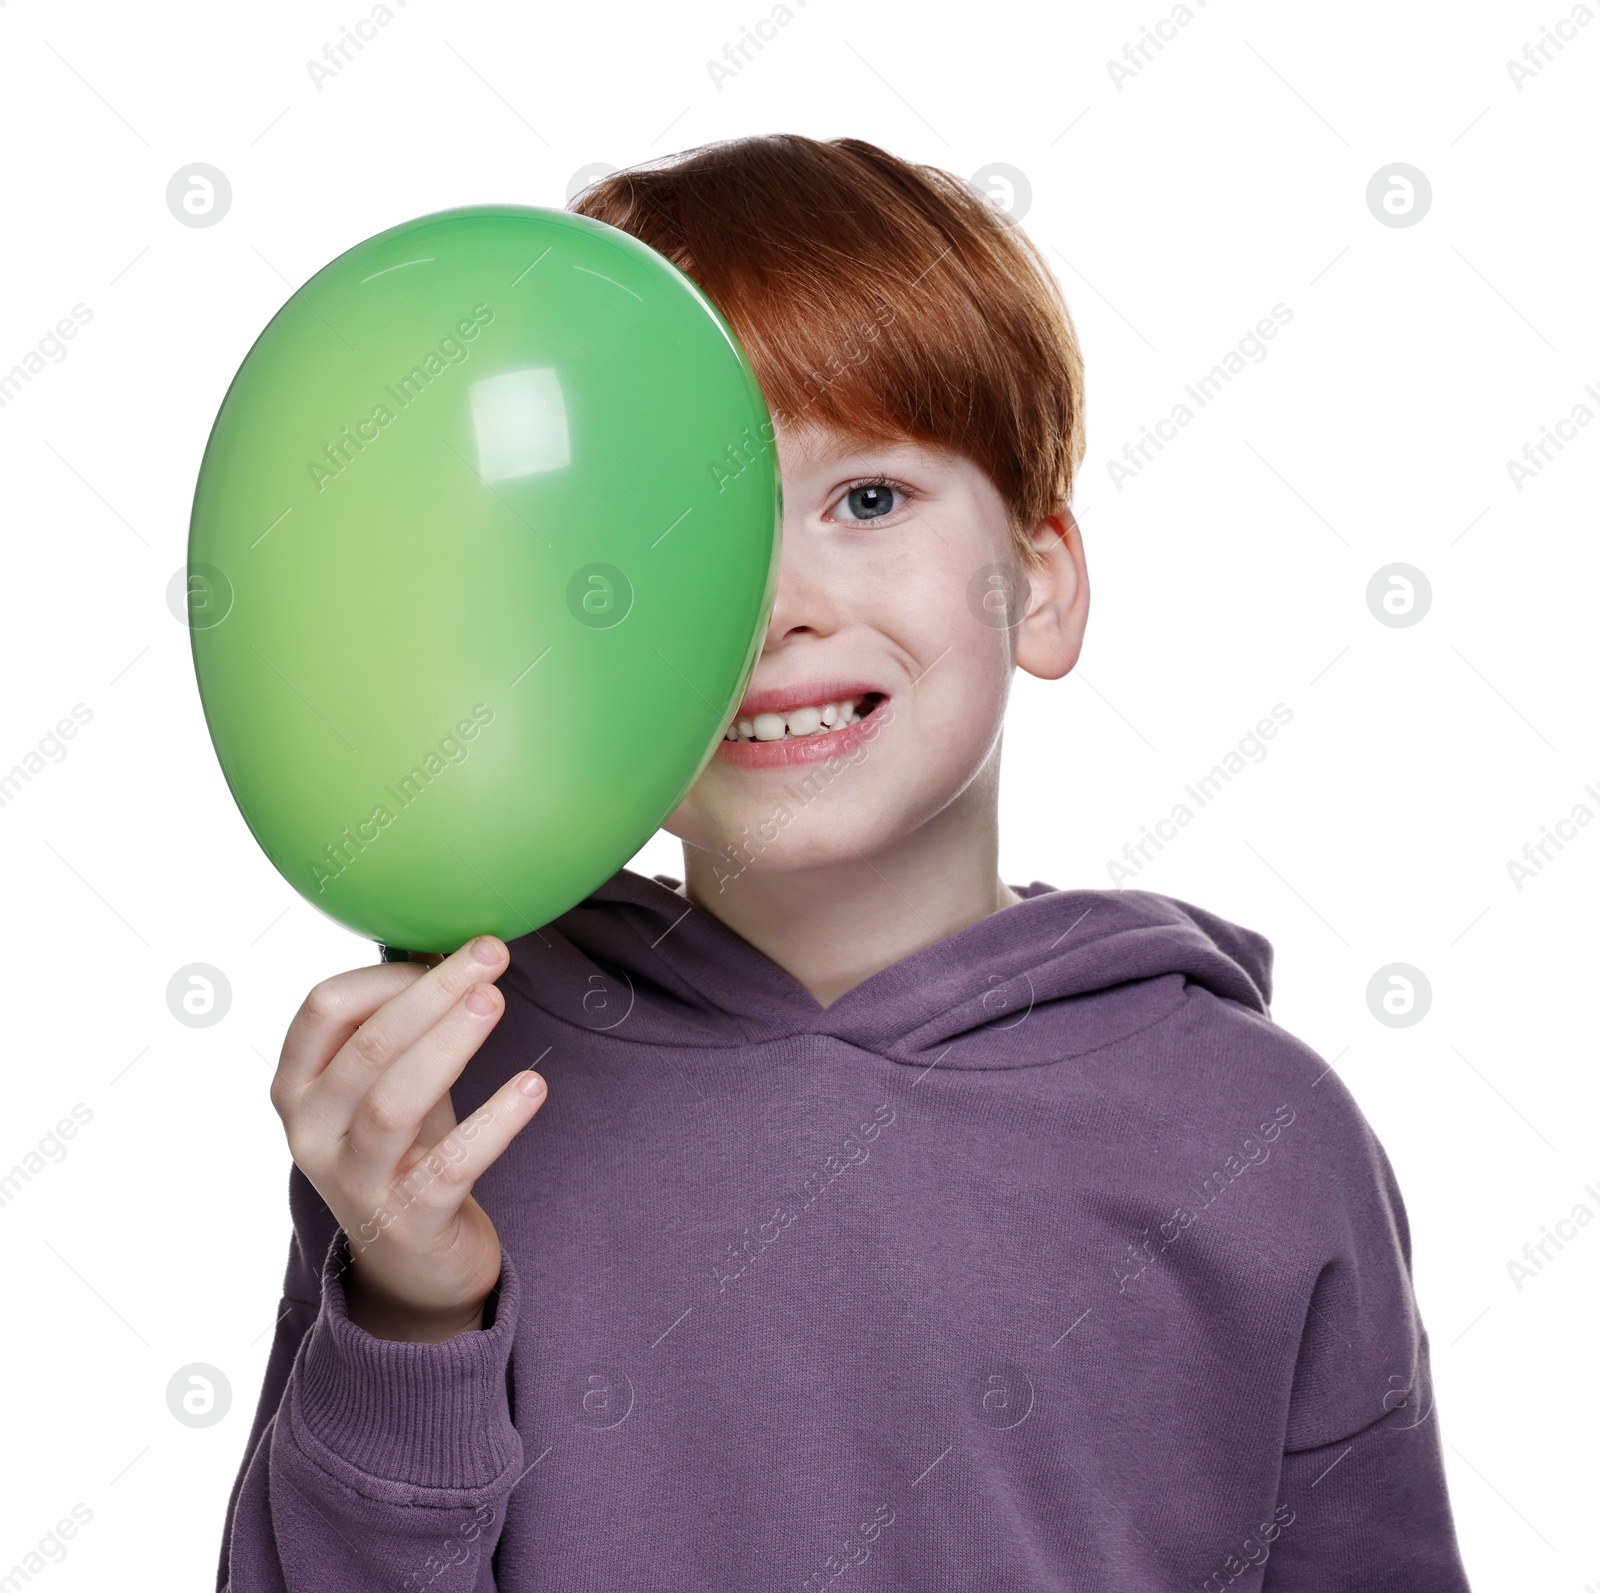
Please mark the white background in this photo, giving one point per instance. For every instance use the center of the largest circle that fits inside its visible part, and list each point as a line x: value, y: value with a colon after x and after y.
x: 1228, y: 175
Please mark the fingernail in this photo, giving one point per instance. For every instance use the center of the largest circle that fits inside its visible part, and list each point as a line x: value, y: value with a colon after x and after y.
x: 480, y: 1001
x: 486, y: 949
x: 531, y: 1084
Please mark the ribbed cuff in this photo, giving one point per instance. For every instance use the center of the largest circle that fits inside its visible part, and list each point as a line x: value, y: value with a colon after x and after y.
x: 428, y: 1415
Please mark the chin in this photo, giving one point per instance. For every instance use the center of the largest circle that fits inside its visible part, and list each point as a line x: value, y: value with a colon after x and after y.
x: 781, y: 836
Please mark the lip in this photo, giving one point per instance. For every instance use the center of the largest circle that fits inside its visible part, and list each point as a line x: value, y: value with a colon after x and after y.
x: 792, y: 750
x: 782, y: 698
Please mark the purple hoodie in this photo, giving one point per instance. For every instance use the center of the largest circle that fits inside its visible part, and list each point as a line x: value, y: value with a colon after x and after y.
x: 1041, y: 1259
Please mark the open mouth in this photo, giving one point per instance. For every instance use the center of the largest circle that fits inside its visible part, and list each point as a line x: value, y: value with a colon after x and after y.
x: 805, y: 723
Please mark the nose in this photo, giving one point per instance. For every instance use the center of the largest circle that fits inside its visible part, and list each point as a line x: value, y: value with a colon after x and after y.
x: 808, y: 597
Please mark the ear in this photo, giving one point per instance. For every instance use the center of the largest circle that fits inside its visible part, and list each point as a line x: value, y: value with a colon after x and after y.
x: 1049, y: 636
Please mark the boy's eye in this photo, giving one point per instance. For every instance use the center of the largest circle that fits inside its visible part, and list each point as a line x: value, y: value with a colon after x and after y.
x: 871, y: 500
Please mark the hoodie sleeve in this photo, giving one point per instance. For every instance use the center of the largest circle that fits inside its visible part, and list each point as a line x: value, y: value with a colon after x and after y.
x: 1362, y: 1500
x: 371, y: 1464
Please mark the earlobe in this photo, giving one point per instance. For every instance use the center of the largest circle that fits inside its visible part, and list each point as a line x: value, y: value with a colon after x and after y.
x: 1050, y: 635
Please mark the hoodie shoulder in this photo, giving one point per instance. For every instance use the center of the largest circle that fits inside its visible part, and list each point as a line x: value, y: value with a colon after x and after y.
x: 1248, y: 949
x: 1067, y: 972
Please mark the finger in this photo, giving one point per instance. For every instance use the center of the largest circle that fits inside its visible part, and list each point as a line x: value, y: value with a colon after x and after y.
x: 388, y: 1119
x: 401, y: 1021
x: 451, y: 1168
x: 327, y: 1018
x: 439, y: 1121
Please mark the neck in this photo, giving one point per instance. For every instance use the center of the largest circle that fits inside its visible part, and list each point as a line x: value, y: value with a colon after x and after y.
x: 836, y: 924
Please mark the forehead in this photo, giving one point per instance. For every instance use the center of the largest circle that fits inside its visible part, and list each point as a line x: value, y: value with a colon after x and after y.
x: 812, y: 447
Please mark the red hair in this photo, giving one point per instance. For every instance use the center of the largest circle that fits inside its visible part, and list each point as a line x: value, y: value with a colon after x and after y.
x: 883, y: 299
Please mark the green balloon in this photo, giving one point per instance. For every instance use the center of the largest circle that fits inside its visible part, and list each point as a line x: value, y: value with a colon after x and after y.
x: 484, y: 547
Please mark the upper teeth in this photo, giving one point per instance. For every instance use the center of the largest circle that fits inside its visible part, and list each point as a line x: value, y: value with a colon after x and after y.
x: 796, y: 722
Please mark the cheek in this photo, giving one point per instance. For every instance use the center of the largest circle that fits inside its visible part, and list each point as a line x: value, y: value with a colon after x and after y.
x: 929, y: 606
x: 966, y: 663
x: 948, y: 634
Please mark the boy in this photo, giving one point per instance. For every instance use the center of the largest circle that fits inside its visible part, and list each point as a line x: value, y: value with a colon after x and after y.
x: 888, y: 1226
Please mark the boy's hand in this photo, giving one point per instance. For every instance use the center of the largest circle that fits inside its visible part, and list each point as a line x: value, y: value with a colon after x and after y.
x: 363, y: 1088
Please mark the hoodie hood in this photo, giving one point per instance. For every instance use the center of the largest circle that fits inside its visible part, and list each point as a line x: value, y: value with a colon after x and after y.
x: 638, y: 960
